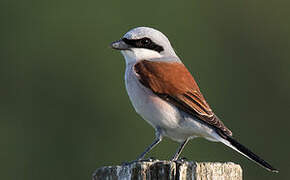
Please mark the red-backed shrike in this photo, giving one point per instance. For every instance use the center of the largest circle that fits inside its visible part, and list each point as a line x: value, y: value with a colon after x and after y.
x: 166, y: 95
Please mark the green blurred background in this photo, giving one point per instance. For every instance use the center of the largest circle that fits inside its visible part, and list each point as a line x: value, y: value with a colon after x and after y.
x: 64, y: 110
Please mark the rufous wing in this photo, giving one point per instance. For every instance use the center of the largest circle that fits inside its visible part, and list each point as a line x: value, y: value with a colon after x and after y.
x: 172, y: 82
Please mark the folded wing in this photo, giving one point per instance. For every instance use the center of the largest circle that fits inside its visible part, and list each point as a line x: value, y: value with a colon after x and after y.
x: 172, y: 82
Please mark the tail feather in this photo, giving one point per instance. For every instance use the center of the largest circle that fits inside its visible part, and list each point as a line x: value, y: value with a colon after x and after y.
x: 229, y: 141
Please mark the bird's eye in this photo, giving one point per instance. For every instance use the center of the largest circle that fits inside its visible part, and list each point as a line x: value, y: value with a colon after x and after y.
x: 145, y: 41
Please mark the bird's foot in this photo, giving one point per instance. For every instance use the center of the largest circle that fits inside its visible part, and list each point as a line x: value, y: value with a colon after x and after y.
x: 183, y: 159
x: 151, y: 159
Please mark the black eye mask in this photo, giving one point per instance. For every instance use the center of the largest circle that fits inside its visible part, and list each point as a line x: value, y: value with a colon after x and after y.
x: 143, y: 43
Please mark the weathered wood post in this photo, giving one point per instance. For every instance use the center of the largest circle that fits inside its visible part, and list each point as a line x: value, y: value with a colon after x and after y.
x: 168, y: 170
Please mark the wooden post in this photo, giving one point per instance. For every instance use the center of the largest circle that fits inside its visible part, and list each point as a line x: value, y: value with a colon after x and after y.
x: 168, y: 170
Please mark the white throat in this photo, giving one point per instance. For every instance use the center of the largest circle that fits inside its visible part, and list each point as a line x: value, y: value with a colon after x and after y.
x: 137, y: 54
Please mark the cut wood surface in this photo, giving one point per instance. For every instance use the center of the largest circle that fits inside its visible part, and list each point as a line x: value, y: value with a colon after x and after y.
x: 177, y: 170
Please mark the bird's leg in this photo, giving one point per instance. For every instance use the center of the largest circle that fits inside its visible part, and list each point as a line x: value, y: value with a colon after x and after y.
x: 180, y: 148
x: 155, y: 142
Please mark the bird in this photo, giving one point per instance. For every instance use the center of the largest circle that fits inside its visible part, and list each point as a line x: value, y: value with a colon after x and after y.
x: 165, y: 94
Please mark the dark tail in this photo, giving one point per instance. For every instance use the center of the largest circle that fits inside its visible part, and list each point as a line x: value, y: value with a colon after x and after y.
x: 229, y: 141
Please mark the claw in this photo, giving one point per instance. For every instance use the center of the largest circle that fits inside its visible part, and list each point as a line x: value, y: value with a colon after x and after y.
x: 151, y: 159
x: 183, y: 159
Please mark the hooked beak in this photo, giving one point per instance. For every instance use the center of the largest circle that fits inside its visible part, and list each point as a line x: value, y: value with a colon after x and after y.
x: 120, y: 45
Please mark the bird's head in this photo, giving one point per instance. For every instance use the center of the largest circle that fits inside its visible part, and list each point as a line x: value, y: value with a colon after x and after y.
x: 145, y: 43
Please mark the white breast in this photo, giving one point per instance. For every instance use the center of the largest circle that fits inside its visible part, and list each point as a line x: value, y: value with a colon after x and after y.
x: 153, y: 109
x: 160, y: 113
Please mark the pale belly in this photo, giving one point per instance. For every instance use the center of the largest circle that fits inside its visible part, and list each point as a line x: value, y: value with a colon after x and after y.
x: 153, y: 109
x: 161, y: 114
